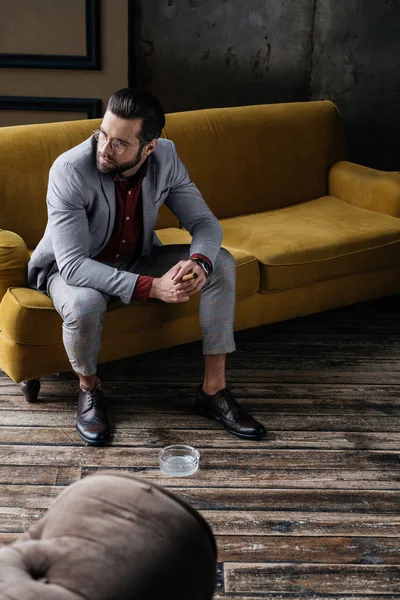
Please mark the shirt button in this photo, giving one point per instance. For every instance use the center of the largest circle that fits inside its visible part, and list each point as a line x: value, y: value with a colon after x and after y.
x: 123, y: 241
x: 127, y: 218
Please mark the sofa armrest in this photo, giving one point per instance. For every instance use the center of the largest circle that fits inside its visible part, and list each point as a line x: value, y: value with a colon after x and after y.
x: 14, y: 256
x: 367, y: 188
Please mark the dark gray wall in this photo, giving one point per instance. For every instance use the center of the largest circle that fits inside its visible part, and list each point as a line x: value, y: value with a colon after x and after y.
x: 211, y: 53
x: 208, y: 53
x: 356, y: 63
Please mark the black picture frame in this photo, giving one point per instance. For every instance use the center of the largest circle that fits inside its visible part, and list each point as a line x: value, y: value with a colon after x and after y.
x: 92, y: 59
x: 92, y: 106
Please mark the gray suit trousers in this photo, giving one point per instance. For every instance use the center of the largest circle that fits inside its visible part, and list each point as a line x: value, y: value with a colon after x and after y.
x: 83, y: 309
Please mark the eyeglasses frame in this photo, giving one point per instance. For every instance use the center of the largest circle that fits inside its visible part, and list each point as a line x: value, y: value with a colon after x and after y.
x: 124, y: 145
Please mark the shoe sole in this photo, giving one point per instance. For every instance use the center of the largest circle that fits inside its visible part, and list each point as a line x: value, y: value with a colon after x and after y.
x: 91, y: 442
x: 204, y: 413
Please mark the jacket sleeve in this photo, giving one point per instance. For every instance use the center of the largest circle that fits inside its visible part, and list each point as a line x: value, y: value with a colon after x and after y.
x: 69, y: 231
x: 190, y: 208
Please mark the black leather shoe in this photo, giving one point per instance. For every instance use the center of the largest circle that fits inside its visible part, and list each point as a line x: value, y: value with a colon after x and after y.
x: 92, y: 422
x: 30, y: 389
x: 223, y: 407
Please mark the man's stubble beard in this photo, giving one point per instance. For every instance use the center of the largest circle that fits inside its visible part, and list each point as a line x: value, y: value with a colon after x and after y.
x: 115, y: 169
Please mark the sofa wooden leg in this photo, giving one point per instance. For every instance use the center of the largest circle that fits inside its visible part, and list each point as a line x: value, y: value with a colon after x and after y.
x: 30, y: 389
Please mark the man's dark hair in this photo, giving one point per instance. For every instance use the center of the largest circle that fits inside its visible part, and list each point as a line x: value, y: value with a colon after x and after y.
x: 128, y: 103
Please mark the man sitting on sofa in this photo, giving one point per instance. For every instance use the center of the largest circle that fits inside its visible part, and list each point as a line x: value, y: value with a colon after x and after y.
x: 103, y: 200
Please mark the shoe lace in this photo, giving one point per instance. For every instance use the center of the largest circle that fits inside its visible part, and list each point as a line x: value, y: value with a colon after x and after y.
x: 93, y: 399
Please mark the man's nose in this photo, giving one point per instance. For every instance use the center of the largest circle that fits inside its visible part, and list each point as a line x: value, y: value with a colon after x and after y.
x: 108, y: 142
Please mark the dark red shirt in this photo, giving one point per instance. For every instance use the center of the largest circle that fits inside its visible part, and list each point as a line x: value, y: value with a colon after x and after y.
x: 126, y: 239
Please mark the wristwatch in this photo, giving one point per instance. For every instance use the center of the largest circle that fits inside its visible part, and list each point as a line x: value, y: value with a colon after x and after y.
x: 204, y: 265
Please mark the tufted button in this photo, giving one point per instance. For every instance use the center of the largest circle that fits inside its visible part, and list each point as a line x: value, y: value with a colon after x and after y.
x: 38, y: 575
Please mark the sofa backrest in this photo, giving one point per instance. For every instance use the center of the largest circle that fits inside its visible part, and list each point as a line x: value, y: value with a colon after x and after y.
x: 244, y: 159
x: 254, y: 158
x: 27, y: 153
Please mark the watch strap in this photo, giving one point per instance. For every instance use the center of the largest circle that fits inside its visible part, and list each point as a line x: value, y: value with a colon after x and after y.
x: 203, y: 264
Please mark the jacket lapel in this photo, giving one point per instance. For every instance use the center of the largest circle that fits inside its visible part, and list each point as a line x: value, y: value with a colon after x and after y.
x: 149, y: 208
x: 108, y: 189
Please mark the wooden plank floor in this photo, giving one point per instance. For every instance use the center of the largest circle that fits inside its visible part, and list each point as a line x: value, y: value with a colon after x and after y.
x: 311, y: 511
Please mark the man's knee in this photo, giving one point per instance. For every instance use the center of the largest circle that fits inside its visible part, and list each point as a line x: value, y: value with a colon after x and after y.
x: 225, y: 265
x: 85, y: 310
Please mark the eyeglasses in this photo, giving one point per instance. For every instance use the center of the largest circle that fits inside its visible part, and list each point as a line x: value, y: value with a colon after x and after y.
x: 116, y: 144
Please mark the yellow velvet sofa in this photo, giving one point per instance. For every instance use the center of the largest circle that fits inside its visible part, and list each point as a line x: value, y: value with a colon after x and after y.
x: 309, y: 230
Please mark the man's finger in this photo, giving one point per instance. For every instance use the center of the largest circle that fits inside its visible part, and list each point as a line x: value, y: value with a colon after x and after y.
x: 174, y: 271
x: 183, y: 270
x: 197, y: 286
x: 183, y: 286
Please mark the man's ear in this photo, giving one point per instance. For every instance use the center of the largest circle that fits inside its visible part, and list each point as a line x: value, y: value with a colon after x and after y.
x: 151, y: 147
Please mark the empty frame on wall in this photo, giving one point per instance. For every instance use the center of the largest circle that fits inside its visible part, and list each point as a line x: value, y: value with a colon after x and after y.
x: 91, y: 60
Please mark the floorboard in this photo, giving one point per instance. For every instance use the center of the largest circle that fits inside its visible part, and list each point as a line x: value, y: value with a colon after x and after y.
x: 311, y: 511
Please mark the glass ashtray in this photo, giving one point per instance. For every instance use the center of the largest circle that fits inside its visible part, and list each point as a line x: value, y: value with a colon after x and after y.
x: 179, y: 460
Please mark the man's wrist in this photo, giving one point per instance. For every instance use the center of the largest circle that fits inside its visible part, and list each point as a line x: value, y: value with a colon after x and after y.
x: 204, y: 264
x: 142, y: 288
x: 153, y: 288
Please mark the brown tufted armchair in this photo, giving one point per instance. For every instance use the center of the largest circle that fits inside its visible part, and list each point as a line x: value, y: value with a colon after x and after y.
x: 112, y: 537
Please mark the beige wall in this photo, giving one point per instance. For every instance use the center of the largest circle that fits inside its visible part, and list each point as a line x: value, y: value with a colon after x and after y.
x: 18, y: 17
x: 45, y: 26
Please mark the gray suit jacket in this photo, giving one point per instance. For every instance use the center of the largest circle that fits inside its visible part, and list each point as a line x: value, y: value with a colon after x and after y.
x: 81, y: 214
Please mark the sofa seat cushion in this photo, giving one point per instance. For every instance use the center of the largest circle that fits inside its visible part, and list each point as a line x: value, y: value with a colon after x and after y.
x: 29, y: 317
x: 313, y: 241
